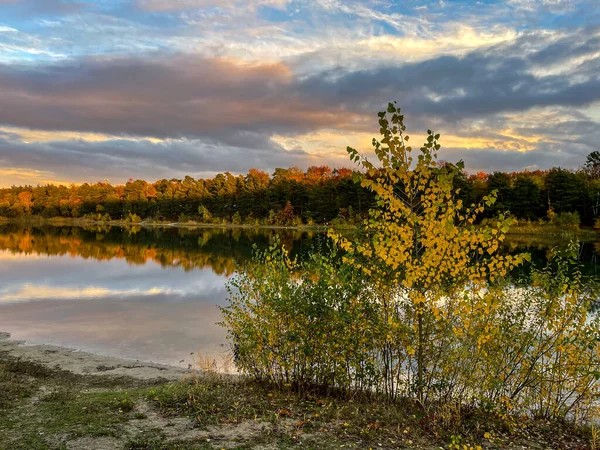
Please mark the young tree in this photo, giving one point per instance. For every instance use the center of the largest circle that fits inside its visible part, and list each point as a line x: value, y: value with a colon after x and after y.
x: 420, y: 247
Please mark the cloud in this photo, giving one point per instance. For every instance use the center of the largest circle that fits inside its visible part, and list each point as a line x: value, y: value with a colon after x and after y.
x: 554, y: 6
x: 14, y: 44
x: 179, y: 5
x: 520, y: 95
x: 490, y: 159
x: 165, y: 97
x: 118, y: 160
x: 43, y: 8
x: 483, y: 82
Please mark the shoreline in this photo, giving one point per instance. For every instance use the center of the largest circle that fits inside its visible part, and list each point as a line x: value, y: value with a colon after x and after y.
x: 44, y: 405
x: 543, y: 230
x: 85, y: 363
x: 120, y: 223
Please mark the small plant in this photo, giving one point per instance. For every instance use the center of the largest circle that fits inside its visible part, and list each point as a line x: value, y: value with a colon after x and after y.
x: 126, y: 404
x: 205, y: 215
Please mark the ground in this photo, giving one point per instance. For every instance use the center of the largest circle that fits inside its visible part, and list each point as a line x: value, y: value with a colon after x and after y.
x: 105, y: 403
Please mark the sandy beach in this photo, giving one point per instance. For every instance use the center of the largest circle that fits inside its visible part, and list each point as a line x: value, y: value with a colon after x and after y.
x: 83, y: 363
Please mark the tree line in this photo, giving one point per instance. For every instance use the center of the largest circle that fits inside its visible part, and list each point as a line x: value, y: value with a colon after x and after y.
x: 292, y: 196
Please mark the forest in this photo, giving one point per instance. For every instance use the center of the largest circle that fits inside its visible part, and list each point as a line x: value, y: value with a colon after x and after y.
x: 320, y: 195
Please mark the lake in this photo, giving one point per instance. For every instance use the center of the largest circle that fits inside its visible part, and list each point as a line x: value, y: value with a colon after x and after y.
x: 139, y: 293
x: 146, y: 293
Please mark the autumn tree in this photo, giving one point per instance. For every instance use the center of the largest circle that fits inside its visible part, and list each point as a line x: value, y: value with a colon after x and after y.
x: 420, y: 247
x: 287, y: 214
x: 317, y: 195
x: 26, y: 201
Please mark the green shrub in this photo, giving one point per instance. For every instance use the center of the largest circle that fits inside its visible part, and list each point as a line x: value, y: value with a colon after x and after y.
x: 567, y: 220
x: 300, y: 324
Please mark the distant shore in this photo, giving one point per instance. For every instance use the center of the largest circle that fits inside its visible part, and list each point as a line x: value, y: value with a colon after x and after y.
x: 518, y: 230
x: 166, y: 224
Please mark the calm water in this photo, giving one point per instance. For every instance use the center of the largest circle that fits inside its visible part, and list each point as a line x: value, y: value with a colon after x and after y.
x: 148, y: 294
x: 137, y: 293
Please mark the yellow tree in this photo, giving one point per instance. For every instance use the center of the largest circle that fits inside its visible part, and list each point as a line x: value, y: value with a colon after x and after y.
x: 424, y: 254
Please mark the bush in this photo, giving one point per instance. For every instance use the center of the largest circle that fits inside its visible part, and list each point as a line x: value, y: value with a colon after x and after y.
x: 567, y: 220
x: 205, y: 215
x: 133, y: 218
x: 300, y: 324
x: 236, y: 219
x: 318, y: 324
x: 415, y: 306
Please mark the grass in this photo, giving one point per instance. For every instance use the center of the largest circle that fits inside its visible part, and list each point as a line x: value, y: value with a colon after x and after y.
x: 40, y: 407
x: 48, y: 409
x: 360, y: 422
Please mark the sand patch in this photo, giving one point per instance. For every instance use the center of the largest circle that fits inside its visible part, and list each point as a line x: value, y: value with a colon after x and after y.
x: 94, y: 442
x: 83, y: 363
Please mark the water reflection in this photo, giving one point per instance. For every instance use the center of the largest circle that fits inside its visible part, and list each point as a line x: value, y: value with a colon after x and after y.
x: 219, y: 249
x: 122, y: 292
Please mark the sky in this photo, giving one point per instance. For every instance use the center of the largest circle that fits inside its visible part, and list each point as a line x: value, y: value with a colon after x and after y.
x: 116, y: 89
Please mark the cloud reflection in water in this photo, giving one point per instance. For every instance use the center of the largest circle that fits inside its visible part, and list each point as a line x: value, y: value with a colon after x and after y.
x: 144, y: 312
